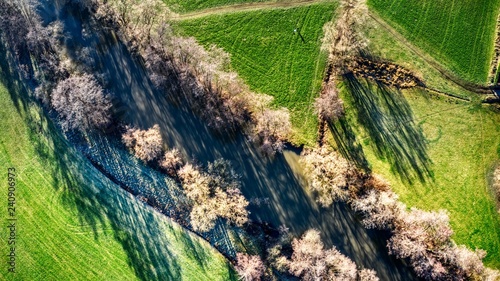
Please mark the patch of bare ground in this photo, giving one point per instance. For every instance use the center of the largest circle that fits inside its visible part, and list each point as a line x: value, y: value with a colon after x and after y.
x: 384, y: 72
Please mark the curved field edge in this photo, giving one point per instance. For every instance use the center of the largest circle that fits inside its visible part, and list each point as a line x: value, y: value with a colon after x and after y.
x: 461, y: 147
x: 272, y: 58
x: 74, y: 224
x: 459, y: 35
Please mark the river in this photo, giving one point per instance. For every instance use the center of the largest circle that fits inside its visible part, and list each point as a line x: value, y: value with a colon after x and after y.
x: 279, y: 179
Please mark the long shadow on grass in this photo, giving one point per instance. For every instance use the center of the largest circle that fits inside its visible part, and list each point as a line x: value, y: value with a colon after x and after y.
x: 99, y: 203
x: 274, y: 179
x: 347, y: 145
x: 387, y: 117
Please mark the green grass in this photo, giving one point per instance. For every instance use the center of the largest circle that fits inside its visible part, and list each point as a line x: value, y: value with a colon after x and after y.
x: 271, y: 58
x: 459, y: 34
x: 193, y: 5
x: 74, y: 224
x: 460, y: 146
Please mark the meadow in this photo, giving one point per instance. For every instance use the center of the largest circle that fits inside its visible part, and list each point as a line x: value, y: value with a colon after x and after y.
x: 74, y: 224
x: 273, y: 58
x: 459, y: 35
x: 436, y: 152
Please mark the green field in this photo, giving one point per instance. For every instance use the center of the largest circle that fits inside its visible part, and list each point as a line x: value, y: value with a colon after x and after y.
x: 459, y: 35
x: 271, y: 57
x: 193, y: 5
x: 74, y: 224
x: 451, y: 145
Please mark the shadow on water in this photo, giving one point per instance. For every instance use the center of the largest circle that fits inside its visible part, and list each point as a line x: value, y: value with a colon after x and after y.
x: 388, y: 119
x: 99, y: 203
x: 272, y: 179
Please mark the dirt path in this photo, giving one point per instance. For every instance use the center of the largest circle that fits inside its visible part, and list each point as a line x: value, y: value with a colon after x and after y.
x: 246, y: 7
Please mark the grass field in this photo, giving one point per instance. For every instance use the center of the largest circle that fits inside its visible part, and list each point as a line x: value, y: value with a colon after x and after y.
x: 74, y: 224
x: 459, y: 35
x: 193, y: 5
x: 271, y: 57
x: 450, y: 145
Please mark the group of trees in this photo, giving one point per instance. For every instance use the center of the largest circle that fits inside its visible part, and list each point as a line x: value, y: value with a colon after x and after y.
x: 78, y: 98
x: 218, y: 95
x: 213, y: 193
x: 310, y: 261
x: 424, y: 238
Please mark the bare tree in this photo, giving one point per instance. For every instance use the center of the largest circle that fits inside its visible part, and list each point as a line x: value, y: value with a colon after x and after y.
x: 328, y: 105
x: 329, y: 175
x: 272, y: 127
x: 424, y: 238
x: 171, y: 161
x: 367, y: 275
x: 81, y: 103
x: 249, y: 268
x: 380, y: 209
x: 311, y: 261
x: 214, y: 194
x: 145, y: 144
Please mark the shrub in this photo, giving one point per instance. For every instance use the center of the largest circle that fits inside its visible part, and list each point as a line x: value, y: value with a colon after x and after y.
x: 171, y: 161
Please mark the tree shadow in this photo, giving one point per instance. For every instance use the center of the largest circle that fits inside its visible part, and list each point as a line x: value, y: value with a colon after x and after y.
x: 347, y: 145
x: 98, y: 202
x: 388, y: 120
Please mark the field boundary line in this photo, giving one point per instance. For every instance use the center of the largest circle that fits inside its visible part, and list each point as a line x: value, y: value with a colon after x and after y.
x: 494, y: 63
x: 479, y: 89
x: 228, y: 9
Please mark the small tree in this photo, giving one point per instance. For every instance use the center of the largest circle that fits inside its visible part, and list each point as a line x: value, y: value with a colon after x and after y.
x: 145, y: 144
x: 214, y: 194
x: 171, y: 161
x: 272, y: 127
x: 328, y: 105
x: 329, y: 175
x: 380, y: 209
x: 250, y: 268
x: 311, y: 261
x: 81, y: 103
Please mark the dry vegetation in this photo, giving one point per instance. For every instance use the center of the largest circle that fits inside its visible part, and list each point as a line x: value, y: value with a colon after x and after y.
x: 146, y: 145
x: 249, y: 268
x: 214, y: 194
x: 424, y: 238
x: 81, y: 103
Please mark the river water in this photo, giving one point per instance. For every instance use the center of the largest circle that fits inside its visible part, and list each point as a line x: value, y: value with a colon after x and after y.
x: 277, y: 180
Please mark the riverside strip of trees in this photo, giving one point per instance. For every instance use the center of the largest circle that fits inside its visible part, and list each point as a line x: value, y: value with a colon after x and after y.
x: 224, y: 101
